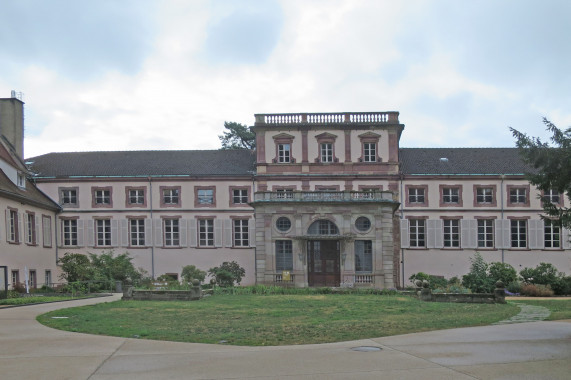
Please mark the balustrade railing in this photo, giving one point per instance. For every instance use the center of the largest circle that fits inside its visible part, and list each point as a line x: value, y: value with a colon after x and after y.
x: 327, y: 118
x: 281, y: 279
x: 358, y: 279
x: 323, y: 196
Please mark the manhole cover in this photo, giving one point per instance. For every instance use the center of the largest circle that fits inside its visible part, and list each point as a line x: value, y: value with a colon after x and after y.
x: 366, y: 348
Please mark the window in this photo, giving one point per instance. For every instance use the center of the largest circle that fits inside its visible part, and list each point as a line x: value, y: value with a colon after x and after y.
x: 172, y: 233
x: 33, y: 279
x: 241, y: 233
x: 369, y: 152
x: 416, y: 195
x: 552, y: 235
x: 47, y: 230
x: 240, y: 196
x: 170, y: 196
x: 363, y: 224
x: 205, y: 196
x: 135, y: 197
x: 284, y: 255
x: 206, y: 232
x: 417, y: 233
x: 13, y: 235
x: 48, y: 278
x: 323, y: 227
x: 21, y: 180
x: 485, y: 233
x: 484, y: 195
x: 518, y: 196
x: 518, y: 233
x: 450, y: 195
x: 103, y: 232
x: 451, y: 230
x: 363, y: 256
x: 137, y: 232
x: 284, y: 153
x: 30, y: 228
x: 283, y: 224
x: 68, y: 197
x: 285, y: 193
x: 15, y: 278
x: 101, y: 197
x: 551, y: 196
x: 69, y: 232
x: 326, y: 151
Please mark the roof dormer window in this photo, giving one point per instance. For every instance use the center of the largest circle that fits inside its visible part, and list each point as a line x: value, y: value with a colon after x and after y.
x: 21, y: 180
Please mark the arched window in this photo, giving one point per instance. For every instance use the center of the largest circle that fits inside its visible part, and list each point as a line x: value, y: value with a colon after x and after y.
x: 323, y: 227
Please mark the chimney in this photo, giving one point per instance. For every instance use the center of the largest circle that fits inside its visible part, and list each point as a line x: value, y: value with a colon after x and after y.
x: 12, y: 121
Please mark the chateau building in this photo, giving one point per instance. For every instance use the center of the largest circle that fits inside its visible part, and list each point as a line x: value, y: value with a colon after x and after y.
x: 324, y: 200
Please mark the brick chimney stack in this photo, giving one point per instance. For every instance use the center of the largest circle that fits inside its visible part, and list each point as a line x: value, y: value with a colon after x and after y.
x: 12, y: 122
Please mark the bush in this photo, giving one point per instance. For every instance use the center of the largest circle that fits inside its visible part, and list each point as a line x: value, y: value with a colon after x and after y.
x: 434, y: 281
x: 546, y: 274
x: 75, y: 267
x: 514, y: 287
x: 538, y: 290
x: 502, y: 272
x: 478, y: 280
x: 190, y: 272
x: 227, y: 274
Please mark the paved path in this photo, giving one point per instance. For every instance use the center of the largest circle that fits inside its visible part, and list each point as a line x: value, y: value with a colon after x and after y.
x: 528, y: 313
x: 537, y: 350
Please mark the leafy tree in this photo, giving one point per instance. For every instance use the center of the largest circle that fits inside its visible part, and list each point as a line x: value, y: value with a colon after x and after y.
x: 502, y: 272
x: 190, y: 272
x: 237, y: 136
x: 553, y: 164
x: 107, y: 266
x: 477, y: 280
x: 227, y: 274
x: 546, y: 274
x: 75, y: 267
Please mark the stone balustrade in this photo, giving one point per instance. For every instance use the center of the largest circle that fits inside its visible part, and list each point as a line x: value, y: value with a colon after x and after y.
x: 391, y: 117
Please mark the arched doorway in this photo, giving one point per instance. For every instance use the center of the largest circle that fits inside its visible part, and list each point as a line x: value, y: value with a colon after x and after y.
x: 323, y: 254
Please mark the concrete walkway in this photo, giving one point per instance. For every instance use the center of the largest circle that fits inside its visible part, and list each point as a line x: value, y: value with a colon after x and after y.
x: 536, y: 350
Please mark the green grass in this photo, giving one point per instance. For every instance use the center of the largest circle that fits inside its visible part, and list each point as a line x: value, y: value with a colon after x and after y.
x: 256, y: 320
x: 35, y: 299
x: 560, y: 309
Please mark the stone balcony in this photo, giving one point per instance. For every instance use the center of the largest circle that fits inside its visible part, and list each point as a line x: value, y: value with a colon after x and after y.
x: 323, y: 196
x: 346, y: 118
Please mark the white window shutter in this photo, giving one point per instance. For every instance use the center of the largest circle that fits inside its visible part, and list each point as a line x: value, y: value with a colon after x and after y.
x: 26, y: 223
x: 404, y: 236
x: 148, y: 232
x: 252, y: 232
x: 228, y: 232
x: 21, y: 228
x: 90, y: 231
x: 566, y: 238
x: 114, y: 233
x: 536, y: 233
x: 158, y: 224
x: 183, y: 229
x: 124, y: 227
x: 38, y: 235
x: 469, y: 233
x: 82, y: 229
x: 217, y: 233
x: 192, y: 232
x: 503, y: 237
x: 434, y: 237
x: 7, y: 218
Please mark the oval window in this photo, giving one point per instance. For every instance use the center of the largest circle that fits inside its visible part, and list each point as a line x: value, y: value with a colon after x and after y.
x: 283, y: 224
x: 363, y: 224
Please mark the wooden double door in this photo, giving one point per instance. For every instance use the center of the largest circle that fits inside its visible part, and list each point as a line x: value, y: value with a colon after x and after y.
x: 323, y: 258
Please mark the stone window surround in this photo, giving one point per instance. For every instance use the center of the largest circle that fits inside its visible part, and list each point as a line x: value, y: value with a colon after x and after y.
x: 240, y: 217
x: 520, y: 217
x: 128, y: 204
x: 407, y: 203
x: 441, y: 199
x: 527, y: 195
x: 458, y: 218
x: 162, y: 196
x: 324, y: 138
x: 372, y: 138
x: 206, y: 217
x: 284, y: 138
x: 135, y: 217
x: 205, y: 205
x: 95, y: 240
x: 102, y: 188
x: 170, y: 217
x: 231, y: 196
x: 425, y: 218
x: 561, y: 198
x: 17, y: 223
x: 61, y: 220
x: 68, y: 205
x: 494, y: 202
x: 489, y: 217
x: 34, y: 229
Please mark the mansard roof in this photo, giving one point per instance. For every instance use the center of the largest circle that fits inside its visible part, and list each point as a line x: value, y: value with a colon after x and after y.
x: 232, y: 162
x: 470, y: 161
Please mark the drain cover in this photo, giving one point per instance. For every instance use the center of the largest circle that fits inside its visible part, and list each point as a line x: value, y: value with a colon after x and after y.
x: 366, y: 348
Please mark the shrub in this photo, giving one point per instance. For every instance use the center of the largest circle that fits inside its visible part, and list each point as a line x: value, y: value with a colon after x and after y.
x: 75, y: 267
x: 514, y: 287
x: 190, y: 272
x: 546, y: 274
x: 538, y: 290
x: 502, y: 272
x: 227, y: 274
x: 478, y: 280
x: 434, y: 281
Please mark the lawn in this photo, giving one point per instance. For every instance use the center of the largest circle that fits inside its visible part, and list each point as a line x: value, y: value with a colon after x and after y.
x: 36, y: 299
x: 560, y: 308
x: 257, y: 320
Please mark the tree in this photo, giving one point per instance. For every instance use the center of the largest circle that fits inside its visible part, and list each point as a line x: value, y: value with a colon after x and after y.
x: 75, y: 267
x: 227, y: 274
x: 107, y: 266
x: 477, y: 280
x: 237, y: 136
x: 553, y: 167
x: 190, y: 272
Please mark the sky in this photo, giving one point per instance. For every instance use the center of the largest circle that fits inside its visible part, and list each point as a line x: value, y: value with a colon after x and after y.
x: 103, y: 75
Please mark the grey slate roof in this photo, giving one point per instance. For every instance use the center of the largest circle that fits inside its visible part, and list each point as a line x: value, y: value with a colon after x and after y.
x: 145, y: 163
x: 30, y: 195
x: 471, y: 161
